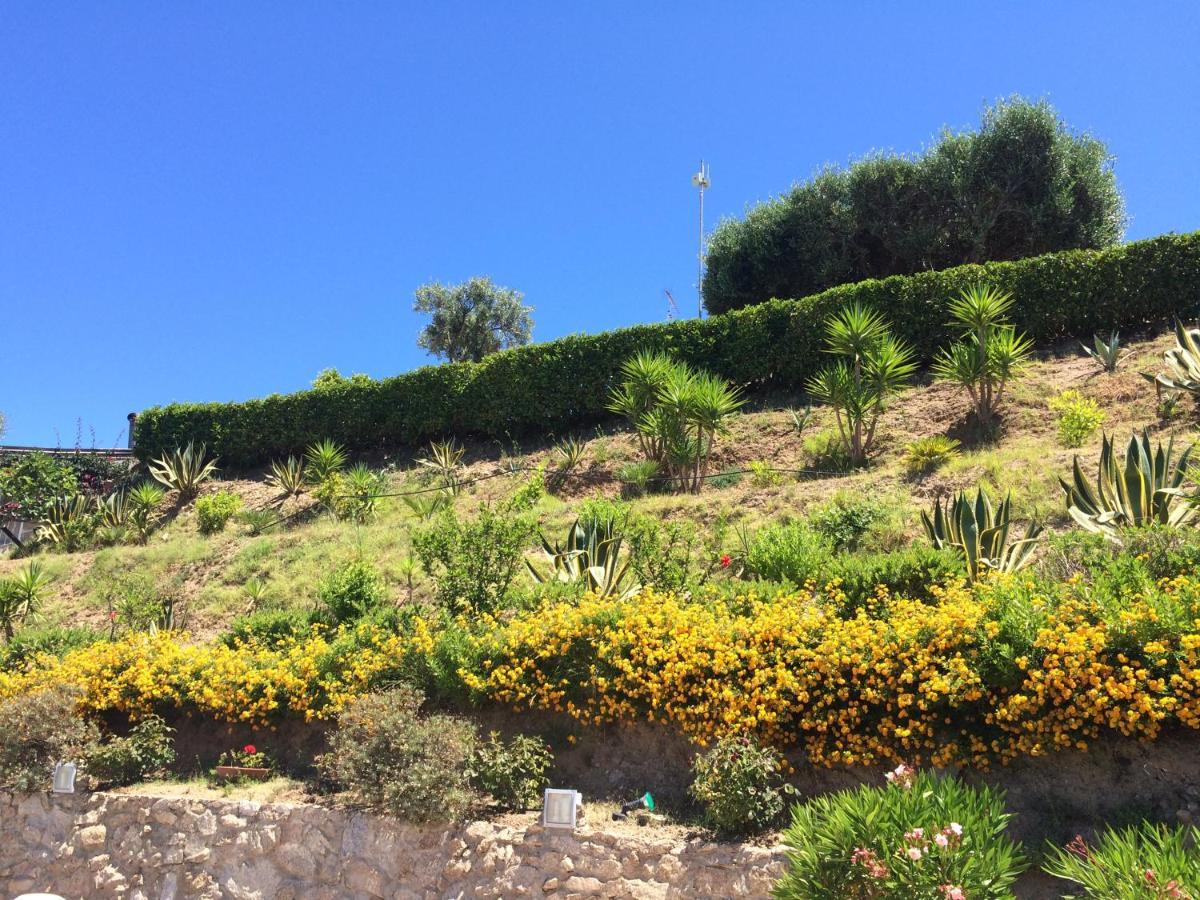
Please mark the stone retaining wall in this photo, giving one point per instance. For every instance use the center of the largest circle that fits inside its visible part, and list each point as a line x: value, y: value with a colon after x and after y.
x: 147, y: 848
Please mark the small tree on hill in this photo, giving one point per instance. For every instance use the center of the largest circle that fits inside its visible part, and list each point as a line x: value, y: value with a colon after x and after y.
x: 472, y: 320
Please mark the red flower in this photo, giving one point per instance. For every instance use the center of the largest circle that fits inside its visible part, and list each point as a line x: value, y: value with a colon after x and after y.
x: 726, y: 560
x: 249, y: 748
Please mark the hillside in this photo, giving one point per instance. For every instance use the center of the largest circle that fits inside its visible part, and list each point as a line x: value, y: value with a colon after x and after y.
x: 209, y: 574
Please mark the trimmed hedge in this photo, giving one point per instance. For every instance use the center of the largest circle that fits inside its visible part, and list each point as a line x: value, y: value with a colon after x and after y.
x: 563, y: 384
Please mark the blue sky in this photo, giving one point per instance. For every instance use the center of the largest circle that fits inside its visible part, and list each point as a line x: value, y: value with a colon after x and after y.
x: 215, y: 201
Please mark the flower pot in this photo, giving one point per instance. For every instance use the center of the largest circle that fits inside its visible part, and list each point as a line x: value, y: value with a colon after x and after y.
x: 232, y: 773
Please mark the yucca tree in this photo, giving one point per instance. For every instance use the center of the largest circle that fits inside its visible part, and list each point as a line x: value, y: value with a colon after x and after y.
x: 184, y: 470
x: 323, y: 459
x: 20, y: 597
x: 1183, y: 363
x: 144, y: 502
x: 875, y: 365
x: 979, y: 532
x: 445, y: 459
x: 1145, y: 488
x: 643, y: 377
x: 990, y: 353
x: 591, y: 555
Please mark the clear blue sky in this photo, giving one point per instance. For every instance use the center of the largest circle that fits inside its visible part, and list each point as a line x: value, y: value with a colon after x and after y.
x: 214, y: 201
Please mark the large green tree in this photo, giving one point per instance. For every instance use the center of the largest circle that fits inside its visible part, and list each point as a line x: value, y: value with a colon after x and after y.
x: 1022, y: 184
x: 472, y: 319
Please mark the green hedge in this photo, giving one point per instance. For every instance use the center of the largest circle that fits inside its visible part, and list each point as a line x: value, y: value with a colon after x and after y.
x: 563, y: 384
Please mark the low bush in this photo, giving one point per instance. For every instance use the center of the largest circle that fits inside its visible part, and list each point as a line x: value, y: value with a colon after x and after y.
x: 268, y: 627
x: 847, y: 519
x: 215, y: 510
x: 790, y: 552
x: 513, y: 774
x: 390, y: 758
x: 474, y: 561
x: 352, y: 590
x: 739, y: 784
x: 1146, y: 862
x: 922, y: 835
x: 147, y: 750
x: 769, y: 345
x: 914, y: 572
x: 52, y: 640
x: 31, y: 483
x: 37, y: 730
x: 662, y: 553
x: 926, y: 454
x: 1078, y: 417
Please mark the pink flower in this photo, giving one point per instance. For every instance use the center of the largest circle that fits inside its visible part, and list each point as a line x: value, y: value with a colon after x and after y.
x: 914, y: 853
x: 942, y: 841
x: 953, y: 892
x: 902, y: 775
x: 955, y: 829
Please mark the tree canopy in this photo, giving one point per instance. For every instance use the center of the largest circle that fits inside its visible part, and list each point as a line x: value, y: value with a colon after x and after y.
x: 1021, y: 185
x: 472, y: 320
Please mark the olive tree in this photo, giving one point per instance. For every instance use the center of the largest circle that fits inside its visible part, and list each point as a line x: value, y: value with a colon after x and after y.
x: 472, y: 320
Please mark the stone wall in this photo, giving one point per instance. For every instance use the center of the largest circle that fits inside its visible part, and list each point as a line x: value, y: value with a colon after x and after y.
x: 146, y: 848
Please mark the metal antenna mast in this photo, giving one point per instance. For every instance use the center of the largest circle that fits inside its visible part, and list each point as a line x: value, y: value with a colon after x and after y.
x: 701, y: 180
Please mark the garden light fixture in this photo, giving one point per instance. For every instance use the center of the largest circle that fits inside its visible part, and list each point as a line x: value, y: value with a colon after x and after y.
x: 560, y: 808
x: 64, y: 778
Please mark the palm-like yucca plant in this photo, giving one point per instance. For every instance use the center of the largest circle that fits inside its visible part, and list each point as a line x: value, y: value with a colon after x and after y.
x: 643, y: 377
x: 591, y: 555
x: 144, y: 502
x: 1145, y: 489
x: 875, y: 365
x: 21, y: 595
x: 989, y: 354
x: 288, y: 476
x: 1107, y: 353
x: 427, y: 505
x: 444, y: 460
x: 323, y: 459
x: 979, y: 532
x: 360, y: 490
x: 184, y: 470
x: 1183, y: 363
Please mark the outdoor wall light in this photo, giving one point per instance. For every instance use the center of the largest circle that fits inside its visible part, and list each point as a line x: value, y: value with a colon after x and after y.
x: 560, y: 808
x: 64, y: 778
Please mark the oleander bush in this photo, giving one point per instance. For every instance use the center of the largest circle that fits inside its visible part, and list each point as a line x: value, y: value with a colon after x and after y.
x: 920, y: 836
x: 771, y: 344
x: 1143, y: 862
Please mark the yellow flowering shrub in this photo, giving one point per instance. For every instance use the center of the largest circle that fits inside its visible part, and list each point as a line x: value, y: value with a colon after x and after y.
x: 978, y: 675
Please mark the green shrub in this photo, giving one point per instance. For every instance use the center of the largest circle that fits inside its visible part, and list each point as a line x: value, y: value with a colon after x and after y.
x: 31, y: 483
x: 909, y: 572
x: 514, y: 774
x: 739, y: 785
x: 352, y: 590
x: 215, y: 510
x: 638, y: 478
x: 135, y: 603
x: 1078, y: 417
x: 391, y: 759
x: 847, y: 519
x: 791, y: 552
x: 29, y: 643
x: 474, y: 561
x: 1149, y: 861
x: 762, y: 475
x: 267, y: 627
x: 147, y: 750
x: 662, y: 553
x: 923, y: 835
x: 38, y: 730
x: 1057, y: 296
x: 929, y: 453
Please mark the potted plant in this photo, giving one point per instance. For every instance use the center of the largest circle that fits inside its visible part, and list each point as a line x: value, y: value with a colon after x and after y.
x: 246, y: 763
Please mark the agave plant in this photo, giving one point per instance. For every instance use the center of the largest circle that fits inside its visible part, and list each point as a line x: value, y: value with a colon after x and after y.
x: 184, y: 470
x: 591, y: 555
x: 288, y: 476
x: 801, y: 419
x: 68, y: 523
x: 144, y: 501
x: 20, y: 596
x: 444, y: 460
x: 979, y: 532
x: 1146, y: 488
x: 570, y: 453
x: 1183, y: 363
x: 113, y: 509
x: 1107, y: 353
x: 323, y: 459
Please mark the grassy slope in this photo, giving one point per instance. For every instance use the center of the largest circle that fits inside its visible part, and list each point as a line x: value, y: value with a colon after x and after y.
x: 210, y: 573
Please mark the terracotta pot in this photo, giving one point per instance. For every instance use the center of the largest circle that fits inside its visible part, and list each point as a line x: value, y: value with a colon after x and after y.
x: 230, y: 773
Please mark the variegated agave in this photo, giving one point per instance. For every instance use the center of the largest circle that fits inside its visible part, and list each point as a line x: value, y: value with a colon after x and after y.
x: 1146, y: 489
x: 1183, y: 363
x: 590, y: 556
x: 979, y: 532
